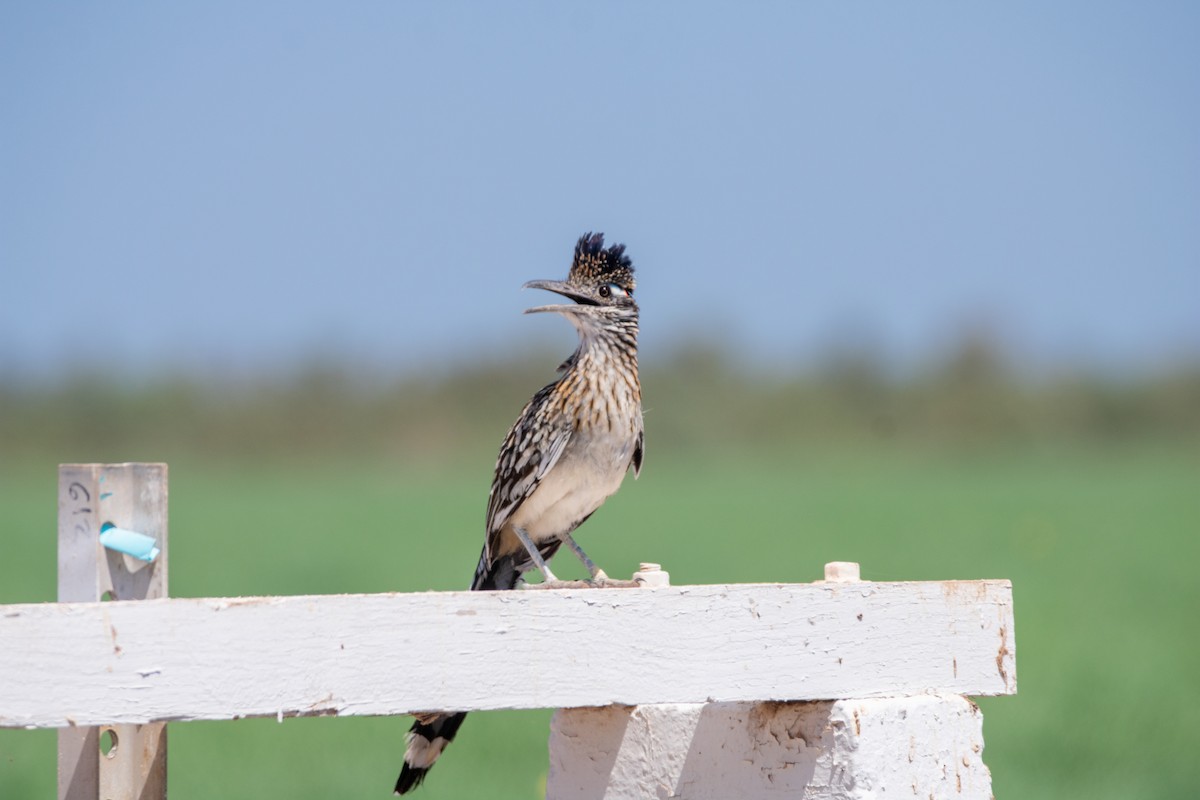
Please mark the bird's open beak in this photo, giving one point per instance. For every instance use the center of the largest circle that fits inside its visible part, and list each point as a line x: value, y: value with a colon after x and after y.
x: 563, y: 288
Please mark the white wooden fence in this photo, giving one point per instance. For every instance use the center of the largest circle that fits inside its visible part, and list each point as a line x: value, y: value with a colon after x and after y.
x: 837, y: 689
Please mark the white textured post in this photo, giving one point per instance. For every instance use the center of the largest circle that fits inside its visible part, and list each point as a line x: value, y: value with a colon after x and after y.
x: 923, y: 746
x: 116, y: 762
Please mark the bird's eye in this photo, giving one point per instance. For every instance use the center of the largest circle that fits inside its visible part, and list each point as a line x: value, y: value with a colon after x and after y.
x: 614, y: 289
x: 605, y: 291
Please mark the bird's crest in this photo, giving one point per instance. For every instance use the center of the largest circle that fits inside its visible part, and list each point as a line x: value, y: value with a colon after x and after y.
x: 594, y: 263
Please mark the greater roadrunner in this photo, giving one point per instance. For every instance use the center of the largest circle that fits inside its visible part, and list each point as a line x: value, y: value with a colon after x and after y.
x: 567, y: 452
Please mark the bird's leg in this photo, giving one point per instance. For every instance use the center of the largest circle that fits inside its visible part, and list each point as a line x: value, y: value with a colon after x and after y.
x: 597, y: 574
x: 536, y: 555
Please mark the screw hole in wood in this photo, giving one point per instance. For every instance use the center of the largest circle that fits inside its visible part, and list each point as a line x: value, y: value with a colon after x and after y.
x: 108, y: 743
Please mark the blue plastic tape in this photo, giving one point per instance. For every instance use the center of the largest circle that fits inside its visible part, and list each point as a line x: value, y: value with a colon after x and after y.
x: 132, y: 543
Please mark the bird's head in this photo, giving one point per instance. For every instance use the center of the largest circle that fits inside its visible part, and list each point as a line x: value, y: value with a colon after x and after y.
x: 600, y: 282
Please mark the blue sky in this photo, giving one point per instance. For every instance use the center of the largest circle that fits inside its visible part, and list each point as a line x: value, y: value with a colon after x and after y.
x: 230, y: 186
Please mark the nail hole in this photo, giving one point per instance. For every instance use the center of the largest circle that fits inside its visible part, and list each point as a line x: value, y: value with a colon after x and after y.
x: 108, y: 742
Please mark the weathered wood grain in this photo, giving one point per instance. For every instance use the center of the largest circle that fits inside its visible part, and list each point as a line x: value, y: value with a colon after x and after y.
x: 133, y: 496
x: 79, y: 664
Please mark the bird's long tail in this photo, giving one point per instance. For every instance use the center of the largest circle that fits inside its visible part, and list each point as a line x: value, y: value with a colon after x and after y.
x: 426, y: 740
x: 431, y: 733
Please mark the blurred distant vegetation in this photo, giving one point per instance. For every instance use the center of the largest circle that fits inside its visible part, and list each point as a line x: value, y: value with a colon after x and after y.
x: 697, y: 400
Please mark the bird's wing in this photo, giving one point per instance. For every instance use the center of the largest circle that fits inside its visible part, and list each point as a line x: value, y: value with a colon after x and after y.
x: 530, y: 450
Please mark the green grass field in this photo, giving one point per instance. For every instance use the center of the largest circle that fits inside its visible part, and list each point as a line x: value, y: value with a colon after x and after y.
x: 1100, y: 543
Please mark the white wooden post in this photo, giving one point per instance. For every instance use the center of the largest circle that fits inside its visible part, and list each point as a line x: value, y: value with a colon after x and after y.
x: 133, y: 761
x: 924, y: 746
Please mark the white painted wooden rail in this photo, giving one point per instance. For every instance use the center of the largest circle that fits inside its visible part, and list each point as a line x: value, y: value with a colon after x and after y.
x: 648, y: 675
x: 100, y: 663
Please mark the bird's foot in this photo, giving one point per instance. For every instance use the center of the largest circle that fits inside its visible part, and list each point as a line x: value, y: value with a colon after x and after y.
x: 599, y: 578
x: 601, y: 583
